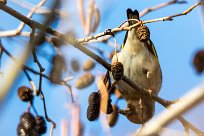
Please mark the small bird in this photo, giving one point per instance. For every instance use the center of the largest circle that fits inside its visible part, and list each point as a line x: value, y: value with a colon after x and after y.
x: 141, y: 65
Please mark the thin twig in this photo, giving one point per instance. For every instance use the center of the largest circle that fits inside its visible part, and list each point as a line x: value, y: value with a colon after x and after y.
x: 45, y: 110
x: 162, y: 5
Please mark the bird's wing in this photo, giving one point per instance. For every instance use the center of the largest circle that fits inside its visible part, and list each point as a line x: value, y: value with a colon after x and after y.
x: 151, y: 48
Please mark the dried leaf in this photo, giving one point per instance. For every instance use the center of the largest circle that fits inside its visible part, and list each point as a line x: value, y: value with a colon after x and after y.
x: 89, y: 17
x: 113, y: 117
x: 58, y: 65
x: 84, y: 81
x: 96, y: 19
x: 88, y: 65
x: 104, y: 95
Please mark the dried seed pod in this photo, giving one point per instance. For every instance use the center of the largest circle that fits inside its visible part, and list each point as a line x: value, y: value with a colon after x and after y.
x: 109, y: 107
x: 84, y: 81
x: 25, y: 93
x: 113, y: 117
x: 21, y: 131
x: 117, y: 70
x: 40, y: 125
x: 198, y: 61
x: 75, y: 65
x: 93, y: 111
x: 143, y: 33
x: 58, y: 65
x: 88, y: 65
x: 28, y: 121
x: 94, y: 98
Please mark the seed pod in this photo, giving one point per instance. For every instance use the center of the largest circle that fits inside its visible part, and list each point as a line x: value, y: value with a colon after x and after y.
x: 94, y: 106
x: 88, y: 65
x: 25, y: 93
x: 40, y: 125
x: 28, y: 122
x: 75, y: 65
x: 94, y: 98
x: 58, y: 65
x: 93, y: 112
x: 143, y: 33
x: 117, y: 70
x: 113, y: 117
x: 21, y: 131
x: 198, y: 61
x: 84, y: 81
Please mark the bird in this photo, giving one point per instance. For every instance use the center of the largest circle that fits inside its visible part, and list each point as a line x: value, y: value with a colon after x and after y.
x: 141, y: 65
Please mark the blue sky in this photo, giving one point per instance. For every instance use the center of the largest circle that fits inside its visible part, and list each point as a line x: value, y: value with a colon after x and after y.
x: 175, y: 42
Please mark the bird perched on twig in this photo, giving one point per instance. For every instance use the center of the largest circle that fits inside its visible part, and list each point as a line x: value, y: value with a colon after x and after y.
x: 141, y: 65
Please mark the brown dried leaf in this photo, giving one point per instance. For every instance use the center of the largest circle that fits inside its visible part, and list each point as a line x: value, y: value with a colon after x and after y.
x: 104, y: 95
x: 88, y: 65
x: 113, y: 117
x: 89, y: 17
x: 84, y: 81
x: 96, y: 19
x: 58, y: 66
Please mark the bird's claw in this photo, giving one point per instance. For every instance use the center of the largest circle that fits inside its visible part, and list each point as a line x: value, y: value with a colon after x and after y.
x: 124, y: 112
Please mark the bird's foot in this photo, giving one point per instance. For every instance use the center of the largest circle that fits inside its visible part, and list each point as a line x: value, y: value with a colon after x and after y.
x: 125, y: 112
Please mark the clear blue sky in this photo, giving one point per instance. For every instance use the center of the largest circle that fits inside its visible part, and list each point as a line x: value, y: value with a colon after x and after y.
x: 175, y: 42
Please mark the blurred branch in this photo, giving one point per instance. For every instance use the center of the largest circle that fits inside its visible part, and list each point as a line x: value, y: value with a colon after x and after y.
x: 12, y: 71
x: 22, y: 24
x: 41, y: 10
x: 162, y: 5
x: 194, y: 97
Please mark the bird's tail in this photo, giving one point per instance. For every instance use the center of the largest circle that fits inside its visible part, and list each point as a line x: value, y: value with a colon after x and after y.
x: 132, y: 15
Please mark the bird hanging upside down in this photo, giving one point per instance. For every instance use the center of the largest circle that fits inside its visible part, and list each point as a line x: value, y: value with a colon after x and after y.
x: 141, y: 65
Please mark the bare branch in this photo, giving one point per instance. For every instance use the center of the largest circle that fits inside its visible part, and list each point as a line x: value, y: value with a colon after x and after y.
x: 22, y: 24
